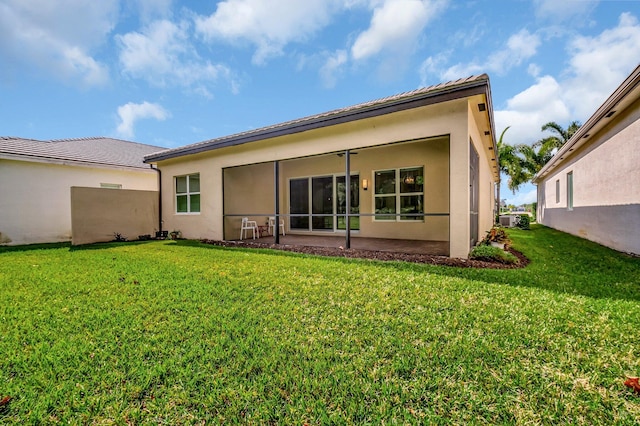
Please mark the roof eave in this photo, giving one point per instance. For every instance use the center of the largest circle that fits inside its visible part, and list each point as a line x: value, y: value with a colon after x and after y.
x: 627, y: 86
x: 67, y: 162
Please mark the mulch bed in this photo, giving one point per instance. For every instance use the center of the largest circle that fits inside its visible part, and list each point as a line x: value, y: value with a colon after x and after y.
x: 379, y: 255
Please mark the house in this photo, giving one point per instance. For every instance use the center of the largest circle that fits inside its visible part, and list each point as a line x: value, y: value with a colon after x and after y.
x: 591, y: 186
x: 37, y: 176
x: 418, y: 166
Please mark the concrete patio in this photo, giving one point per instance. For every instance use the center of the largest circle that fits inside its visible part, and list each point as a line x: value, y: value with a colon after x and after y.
x: 435, y: 248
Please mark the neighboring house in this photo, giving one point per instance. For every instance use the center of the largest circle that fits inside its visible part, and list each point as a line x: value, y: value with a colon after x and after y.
x: 591, y: 186
x: 36, y: 179
x: 422, y: 166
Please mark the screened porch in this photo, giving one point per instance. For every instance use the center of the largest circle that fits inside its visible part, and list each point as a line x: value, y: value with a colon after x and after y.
x: 395, y: 195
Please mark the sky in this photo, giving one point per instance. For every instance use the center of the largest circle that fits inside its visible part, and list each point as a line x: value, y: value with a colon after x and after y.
x: 171, y: 73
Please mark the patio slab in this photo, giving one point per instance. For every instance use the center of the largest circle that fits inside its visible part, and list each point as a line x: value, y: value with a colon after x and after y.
x: 435, y: 248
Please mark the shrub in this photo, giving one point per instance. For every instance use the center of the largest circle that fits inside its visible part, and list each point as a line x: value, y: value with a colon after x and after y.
x: 523, y: 222
x: 497, y: 234
x: 119, y: 237
x: 490, y: 253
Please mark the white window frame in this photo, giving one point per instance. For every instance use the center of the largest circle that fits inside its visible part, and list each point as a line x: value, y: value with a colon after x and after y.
x: 397, y: 194
x: 188, y: 194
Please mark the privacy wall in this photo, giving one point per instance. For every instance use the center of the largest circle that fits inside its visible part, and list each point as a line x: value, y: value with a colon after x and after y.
x: 97, y: 214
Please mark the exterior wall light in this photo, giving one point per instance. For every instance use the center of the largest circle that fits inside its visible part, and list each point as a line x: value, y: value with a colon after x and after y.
x: 365, y: 184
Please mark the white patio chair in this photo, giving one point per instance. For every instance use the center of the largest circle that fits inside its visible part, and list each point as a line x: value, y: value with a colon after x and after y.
x: 247, y: 225
x: 272, y: 225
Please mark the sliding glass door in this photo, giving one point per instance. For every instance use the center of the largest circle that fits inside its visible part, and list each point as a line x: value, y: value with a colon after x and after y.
x: 316, y: 200
x: 322, y: 203
x: 341, y: 202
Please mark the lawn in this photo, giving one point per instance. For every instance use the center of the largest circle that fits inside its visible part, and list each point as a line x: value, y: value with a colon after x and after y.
x: 185, y: 333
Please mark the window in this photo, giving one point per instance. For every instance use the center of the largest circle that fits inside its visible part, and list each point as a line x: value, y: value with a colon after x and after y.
x: 570, y: 191
x: 557, y: 191
x: 111, y: 185
x: 399, y: 192
x: 315, y: 201
x: 188, y: 194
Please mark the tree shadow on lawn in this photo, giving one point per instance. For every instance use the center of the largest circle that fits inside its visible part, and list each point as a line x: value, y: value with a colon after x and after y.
x: 57, y: 246
x: 559, y: 262
x: 31, y: 247
x: 562, y: 263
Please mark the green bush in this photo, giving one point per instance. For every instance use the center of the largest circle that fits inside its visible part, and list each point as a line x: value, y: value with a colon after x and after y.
x: 524, y: 222
x: 490, y: 253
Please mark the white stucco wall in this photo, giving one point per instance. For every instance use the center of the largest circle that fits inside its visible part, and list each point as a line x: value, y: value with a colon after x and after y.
x: 447, y: 118
x: 35, y: 198
x: 606, y: 187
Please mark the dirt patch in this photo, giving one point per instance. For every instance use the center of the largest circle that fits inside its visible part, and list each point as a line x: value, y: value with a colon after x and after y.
x: 378, y: 255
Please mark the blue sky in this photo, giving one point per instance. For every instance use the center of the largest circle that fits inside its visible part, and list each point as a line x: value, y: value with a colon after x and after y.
x: 170, y: 73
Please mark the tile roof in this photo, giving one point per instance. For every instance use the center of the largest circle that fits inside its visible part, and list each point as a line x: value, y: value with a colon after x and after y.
x: 426, y: 95
x: 89, y: 151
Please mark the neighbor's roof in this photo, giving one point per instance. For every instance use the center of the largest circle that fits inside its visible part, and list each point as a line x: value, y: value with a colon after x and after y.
x: 626, y: 94
x: 421, y: 97
x: 98, y: 151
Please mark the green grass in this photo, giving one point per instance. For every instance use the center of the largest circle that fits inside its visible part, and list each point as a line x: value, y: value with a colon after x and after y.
x: 180, y: 333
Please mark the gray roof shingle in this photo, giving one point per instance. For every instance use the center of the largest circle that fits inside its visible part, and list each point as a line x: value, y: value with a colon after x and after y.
x: 90, y: 151
x: 422, y: 96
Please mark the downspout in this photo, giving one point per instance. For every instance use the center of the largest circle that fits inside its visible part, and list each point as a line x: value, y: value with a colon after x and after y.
x: 498, y: 202
x: 159, y: 196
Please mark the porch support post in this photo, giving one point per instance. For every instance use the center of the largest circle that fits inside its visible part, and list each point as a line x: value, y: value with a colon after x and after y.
x: 347, y: 183
x: 276, y: 180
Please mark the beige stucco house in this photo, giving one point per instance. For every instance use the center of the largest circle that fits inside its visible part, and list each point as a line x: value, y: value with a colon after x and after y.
x: 419, y: 166
x: 591, y: 186
x: 36, y: 178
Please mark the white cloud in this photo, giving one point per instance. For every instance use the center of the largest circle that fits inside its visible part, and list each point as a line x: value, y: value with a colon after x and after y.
x: 57, y: 36
x: 519, y: 47
x: 597, y: 65
x: 563, y: 10
x: 333, y: 65
x: 396, y: 24
x: 267, y: 24
x: 529, y: 110
x: 154, y: 9
x: 131, y: 112
x: 163, y: 55
x: 527, y: 194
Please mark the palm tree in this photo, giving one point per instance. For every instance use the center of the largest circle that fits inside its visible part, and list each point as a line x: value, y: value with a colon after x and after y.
x: 521, y: 162
x: 511, y: 163
x: 560, y: 136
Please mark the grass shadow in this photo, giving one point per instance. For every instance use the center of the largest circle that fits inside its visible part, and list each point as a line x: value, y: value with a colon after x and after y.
x: 112, y: 244
x: 31, y: 247
x: 560, y: 262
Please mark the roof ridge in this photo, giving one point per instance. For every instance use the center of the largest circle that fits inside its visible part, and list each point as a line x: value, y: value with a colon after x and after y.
x: 87, y: 138
x: 91, y: 138
x: 373, y: 102
x: 15, y: 138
